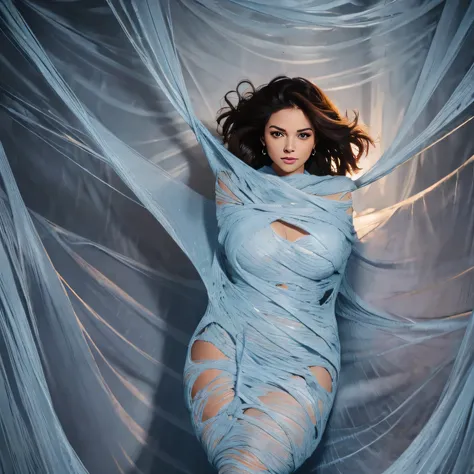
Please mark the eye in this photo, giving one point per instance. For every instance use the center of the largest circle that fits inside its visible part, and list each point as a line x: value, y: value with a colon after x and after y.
x: 305, y: 135
x: 273, y: 134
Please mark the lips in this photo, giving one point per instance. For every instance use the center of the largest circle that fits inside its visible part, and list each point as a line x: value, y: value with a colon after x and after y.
x: 289, y: 160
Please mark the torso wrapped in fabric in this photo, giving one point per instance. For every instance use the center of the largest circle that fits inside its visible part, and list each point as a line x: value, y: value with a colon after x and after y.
x: 261, y: 401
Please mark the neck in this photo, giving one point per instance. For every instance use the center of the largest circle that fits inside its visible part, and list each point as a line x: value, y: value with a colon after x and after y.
x: 281, y: 172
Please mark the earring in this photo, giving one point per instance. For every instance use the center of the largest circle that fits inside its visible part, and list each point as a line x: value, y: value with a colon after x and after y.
x: 313, y: 152
x: 264, y: 151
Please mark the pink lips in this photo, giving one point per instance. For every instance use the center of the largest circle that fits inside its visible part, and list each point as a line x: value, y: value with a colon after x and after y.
x: 289, y: 160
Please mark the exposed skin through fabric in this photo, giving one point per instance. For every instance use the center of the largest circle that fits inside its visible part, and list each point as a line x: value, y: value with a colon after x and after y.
x: 217, y: 389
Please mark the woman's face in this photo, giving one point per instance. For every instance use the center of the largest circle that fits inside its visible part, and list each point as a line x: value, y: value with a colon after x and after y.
x: 289, y: 140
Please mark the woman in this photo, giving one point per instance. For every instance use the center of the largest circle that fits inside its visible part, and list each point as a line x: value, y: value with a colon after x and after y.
x: 263, y: 364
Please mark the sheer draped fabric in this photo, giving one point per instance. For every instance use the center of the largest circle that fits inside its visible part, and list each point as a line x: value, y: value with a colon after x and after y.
x: 109, y: 232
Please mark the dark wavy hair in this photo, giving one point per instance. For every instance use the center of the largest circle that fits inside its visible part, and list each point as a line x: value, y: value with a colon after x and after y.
x: 340, y: 143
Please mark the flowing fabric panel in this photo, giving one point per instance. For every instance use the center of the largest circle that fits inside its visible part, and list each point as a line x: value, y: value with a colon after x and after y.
x: 95, y: 123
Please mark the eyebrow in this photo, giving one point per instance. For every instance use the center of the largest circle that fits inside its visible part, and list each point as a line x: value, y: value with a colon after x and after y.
x: 283, y: 130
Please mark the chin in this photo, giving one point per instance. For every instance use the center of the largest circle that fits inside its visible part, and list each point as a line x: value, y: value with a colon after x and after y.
x: 287, y: 168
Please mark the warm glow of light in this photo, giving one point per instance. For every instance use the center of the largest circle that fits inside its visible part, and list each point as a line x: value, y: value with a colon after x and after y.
x: 367, y: 161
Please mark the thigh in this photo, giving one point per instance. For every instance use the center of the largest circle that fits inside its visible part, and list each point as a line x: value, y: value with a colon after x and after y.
x: 210, y: 373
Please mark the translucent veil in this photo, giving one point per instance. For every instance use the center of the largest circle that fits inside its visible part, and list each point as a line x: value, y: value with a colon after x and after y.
x: 107, y: 224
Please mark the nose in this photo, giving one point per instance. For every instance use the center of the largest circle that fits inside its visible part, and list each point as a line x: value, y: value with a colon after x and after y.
x: 289, y: 146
